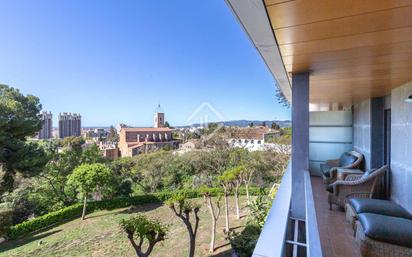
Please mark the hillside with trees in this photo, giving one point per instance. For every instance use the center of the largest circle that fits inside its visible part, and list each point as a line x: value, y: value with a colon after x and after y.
x: 42, y: 187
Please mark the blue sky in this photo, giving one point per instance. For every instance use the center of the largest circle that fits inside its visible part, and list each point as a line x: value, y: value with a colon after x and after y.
x: 114, y: 61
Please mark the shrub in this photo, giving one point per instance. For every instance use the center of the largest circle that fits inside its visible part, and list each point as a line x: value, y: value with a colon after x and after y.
x: 244, y: 243
x: 5, y: 221
x: 259, y: 210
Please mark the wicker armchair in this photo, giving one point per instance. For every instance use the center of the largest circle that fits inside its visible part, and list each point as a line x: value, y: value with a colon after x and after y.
x: 355, y: 186
x: 332, y: 167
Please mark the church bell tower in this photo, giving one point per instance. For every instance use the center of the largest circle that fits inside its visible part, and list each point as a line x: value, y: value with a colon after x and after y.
x: 159, y: 117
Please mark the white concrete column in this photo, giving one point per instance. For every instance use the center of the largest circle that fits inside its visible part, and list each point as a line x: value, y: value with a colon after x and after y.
x: 300, y: 141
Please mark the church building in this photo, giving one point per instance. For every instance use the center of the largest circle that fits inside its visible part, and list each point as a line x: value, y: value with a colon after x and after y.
x: 134, y: 141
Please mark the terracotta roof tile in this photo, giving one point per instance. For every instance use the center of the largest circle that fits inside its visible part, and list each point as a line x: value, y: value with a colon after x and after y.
x: 253, y: 133
x: 147, y: 129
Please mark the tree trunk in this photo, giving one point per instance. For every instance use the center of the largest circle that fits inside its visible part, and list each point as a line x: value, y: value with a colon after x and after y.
x: 192, y: 238
x: 213, y: 237
x: 247, y: 193
x: 227, y: 213
x: 237, y: 202
x: 214, y: 216
x: 192, y: 246
x: 84, y: 208
x: 135, y: 246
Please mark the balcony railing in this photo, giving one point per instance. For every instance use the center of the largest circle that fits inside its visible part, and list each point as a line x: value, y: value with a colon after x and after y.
x: 313, y: 248
x: 283, y: 235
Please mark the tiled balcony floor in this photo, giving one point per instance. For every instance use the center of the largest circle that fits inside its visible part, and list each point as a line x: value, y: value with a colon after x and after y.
x: 336, y: 234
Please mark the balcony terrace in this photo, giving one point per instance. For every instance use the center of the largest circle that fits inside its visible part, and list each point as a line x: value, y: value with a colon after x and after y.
x: 344, y: 66
x: 336, y: 234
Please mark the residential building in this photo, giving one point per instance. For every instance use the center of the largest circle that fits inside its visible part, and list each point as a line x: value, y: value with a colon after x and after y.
x: 47, y: 126
x: 109, y: 151
x: 190, y: 145
x: 254, y: 138
x: 96, y: 134
x: 69, y: 124
x: 344, y: 67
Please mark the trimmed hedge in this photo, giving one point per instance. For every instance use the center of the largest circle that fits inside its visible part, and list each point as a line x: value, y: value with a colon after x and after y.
x: 75, y: 210
x: 44, y: 221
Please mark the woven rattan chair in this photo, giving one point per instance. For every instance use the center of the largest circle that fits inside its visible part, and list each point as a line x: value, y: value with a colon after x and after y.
x: 355, y: 186
x: 333, y: 165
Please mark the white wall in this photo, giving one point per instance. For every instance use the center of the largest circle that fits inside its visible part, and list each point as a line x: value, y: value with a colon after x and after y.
x: 401, y: 146
x: 362, y: 130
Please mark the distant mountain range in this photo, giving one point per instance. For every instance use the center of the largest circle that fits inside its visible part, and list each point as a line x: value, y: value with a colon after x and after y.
x: 230, y: 123
x: 246, y: 123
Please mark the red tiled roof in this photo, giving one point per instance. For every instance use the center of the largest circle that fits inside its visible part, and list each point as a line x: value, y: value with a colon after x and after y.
x: 135, y: 145
x: 147, y: 129
x: 252, y: 133
x: 139, y: 144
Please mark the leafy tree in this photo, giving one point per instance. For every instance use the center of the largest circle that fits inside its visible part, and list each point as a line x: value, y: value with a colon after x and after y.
x: 254, y: 162
x: 182, y: 209
x: 122, y: 169
x: 72, y: 142
x: 19, y: 119
x: 150, y: 170
x: 264, y: 123
x: 51, y: 184
x: 112, y: 136
x: 251, y: 124
x: 92, y: 154
x: 211, y: 128
x: 237, y: 156
x: 167, y: 125
x: 90, y: 178
x: 214, y: 210
x: 146, y: 170
x: 143, y: 229
x: 233, y: 177
x: 275, y: 126
x: 177, y: 170
x: 48, y: 194
x: 19, y: 203
x: 159, y: 170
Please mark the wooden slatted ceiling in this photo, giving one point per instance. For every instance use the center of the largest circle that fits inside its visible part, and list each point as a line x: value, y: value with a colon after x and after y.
x: 353, y: 49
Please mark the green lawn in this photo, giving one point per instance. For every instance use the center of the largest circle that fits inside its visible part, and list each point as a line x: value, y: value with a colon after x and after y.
x: 100, y: 235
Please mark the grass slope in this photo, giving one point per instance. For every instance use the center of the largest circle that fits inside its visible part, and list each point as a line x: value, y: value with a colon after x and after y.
x: 100, y: 235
